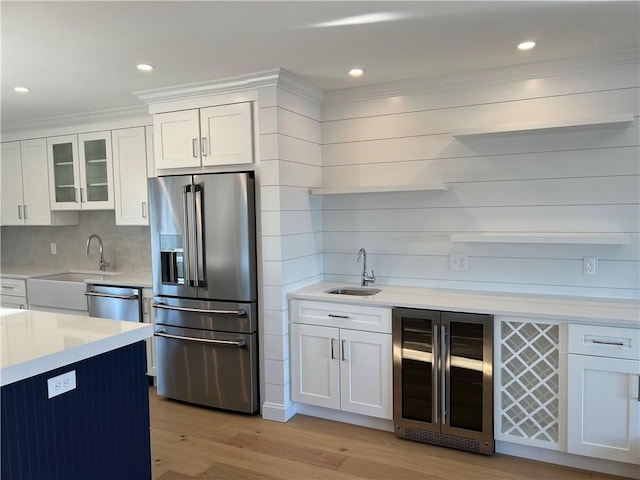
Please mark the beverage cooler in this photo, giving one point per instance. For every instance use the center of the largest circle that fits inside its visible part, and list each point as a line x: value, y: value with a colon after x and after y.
x: 442, y: 375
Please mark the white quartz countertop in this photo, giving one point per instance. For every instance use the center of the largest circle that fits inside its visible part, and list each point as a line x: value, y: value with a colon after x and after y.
x: 141, y: 279
x: 577, y: 309
x: 36, y: 342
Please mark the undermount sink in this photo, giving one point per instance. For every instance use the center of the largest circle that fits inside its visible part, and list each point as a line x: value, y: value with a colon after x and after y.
x: 63, y: 291
x: 358, y: 291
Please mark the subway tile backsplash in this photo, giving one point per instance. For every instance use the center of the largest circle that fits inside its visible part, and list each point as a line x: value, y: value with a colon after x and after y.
x: 128, y: 248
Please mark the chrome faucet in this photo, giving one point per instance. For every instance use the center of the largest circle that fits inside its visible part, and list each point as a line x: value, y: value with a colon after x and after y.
x: 365, y: 279
x: 103, y: 263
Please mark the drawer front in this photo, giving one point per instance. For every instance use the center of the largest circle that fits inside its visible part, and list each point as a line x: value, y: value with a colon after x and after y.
x: 601, y: 341
x: 13, y: 286
x: 354, y: 317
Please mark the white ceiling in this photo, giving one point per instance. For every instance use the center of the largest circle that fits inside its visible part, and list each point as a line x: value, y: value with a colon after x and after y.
x: 79, y: 57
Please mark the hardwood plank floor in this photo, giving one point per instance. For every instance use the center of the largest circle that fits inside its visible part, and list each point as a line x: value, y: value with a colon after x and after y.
x: 189, y: 442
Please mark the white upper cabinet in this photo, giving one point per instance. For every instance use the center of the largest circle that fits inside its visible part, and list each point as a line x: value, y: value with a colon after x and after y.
x: 212, y: 136
x: 130, y: 156
x: 25, y: 185
x: 81, y: 171
x: 12, y: 200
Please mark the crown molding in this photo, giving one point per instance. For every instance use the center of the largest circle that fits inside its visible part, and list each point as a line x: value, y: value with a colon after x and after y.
x: 480, y: 77
x: 140, y: 112
x: 276, y: 77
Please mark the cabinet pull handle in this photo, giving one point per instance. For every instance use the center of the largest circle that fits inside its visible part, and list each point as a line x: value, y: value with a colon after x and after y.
x: 344, y: 356
x: 10, y: 287
x: 20, y: 212
x: 638, y: 396
x: 333, y: 315
x: 333, y: 356
x: 203, y: 146
x: 604, y: 342
x: 144, y: 209
x: 24, y: 209
x: 193, y: 147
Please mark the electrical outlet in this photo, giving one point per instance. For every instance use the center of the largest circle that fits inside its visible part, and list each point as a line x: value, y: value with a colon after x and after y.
x: 459, y: 262
x: 53, y: 249
x: 590, y: 266
x: 61, y: 384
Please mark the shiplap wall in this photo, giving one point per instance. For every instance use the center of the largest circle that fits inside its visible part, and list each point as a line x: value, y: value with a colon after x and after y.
x: 290, y: 163
x: 576, y: 181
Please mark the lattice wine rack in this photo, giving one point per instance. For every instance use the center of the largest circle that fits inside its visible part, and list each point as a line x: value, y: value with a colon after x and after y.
x: 529, y: 393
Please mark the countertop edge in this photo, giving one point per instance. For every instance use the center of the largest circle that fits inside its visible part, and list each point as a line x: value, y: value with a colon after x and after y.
x: 583, y: 310
x: 36, y: 366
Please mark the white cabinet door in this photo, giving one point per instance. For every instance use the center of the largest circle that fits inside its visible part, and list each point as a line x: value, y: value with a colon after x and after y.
x: 64, y: 173
x: 35, y: 180
x: 96, y: 171
x: 147, y: 317
x: 603, y: 408
x: 226, y: 134
x: 130, y: 176
x: 176, y: 139
x: 315, y: 376
x: 11, y: 177
x: 366, y: 378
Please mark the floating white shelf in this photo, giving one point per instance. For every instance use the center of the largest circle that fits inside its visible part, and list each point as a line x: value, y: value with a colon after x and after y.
x: 557, y: 238
x: 377, y: 189
x: 600, y: 123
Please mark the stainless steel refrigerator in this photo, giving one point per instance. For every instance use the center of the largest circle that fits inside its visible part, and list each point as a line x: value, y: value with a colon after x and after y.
x: 205, y: 293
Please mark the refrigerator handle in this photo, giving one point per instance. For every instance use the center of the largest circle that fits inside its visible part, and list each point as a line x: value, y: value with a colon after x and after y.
x: 186, y: 242
x: 436, y: 365
x: 444, y: 373
x: 199, y: 243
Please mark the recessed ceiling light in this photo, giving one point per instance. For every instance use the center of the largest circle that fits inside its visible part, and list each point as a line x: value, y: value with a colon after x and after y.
x: 22, y: 89
x: 528, y: 45
x: 144, y: 67
x: 356, y: 72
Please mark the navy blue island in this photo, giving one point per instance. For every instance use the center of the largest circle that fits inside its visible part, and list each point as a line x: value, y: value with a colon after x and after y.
x: 74, y: 399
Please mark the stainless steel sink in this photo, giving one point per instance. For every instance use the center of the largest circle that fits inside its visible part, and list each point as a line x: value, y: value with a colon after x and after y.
x: 358, y: 291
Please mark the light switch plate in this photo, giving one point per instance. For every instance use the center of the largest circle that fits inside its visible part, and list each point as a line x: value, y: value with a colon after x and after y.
x: 61, y: 384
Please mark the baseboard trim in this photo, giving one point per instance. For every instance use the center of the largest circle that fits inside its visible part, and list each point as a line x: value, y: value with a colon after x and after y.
x: 345, y: 417
x: 629, y: 470
x: 277, y: 412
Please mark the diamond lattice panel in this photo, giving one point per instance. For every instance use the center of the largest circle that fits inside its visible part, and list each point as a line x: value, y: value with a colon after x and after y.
x: 529, y: 393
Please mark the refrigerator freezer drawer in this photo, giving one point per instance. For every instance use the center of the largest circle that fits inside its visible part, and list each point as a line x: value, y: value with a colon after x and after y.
x: 208, y: 368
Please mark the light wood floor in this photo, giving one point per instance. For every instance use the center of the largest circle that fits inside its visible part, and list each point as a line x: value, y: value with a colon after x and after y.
x: 190, y: 442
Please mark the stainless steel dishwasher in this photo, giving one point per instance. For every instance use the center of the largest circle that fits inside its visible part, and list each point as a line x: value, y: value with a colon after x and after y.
x: 117, y: 303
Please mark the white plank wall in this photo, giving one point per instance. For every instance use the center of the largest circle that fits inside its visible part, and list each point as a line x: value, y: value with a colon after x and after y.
x: 291, y: 223
x: 565, y: 182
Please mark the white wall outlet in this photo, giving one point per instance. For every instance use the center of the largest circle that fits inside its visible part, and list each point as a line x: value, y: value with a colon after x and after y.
x: 590, y: 266
x: 61, y: 384
x: 53, y: 249
x: 459, y: 262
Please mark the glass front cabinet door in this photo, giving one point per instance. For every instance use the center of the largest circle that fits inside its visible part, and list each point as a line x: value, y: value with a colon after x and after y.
x: 81, y: 172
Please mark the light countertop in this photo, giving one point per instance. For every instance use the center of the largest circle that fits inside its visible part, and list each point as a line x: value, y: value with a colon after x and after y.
x: 576, y: 309
x: 36, y: 342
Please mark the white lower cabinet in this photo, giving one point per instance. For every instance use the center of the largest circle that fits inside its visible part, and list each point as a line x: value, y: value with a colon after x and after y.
x: 342, y: 368
x: 147, y: 317
x: 603, y: 404
x: 13, y: 293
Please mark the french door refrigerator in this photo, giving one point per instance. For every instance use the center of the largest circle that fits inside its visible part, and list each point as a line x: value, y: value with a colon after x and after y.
x: 205, y: 294
x: 442, y: 376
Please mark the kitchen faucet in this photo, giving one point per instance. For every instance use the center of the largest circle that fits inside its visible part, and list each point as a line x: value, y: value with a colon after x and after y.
x: 103, y: 263
x: 365, y: 278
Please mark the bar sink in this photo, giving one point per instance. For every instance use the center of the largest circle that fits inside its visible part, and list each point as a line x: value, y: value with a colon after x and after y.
x: 357, y: 291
